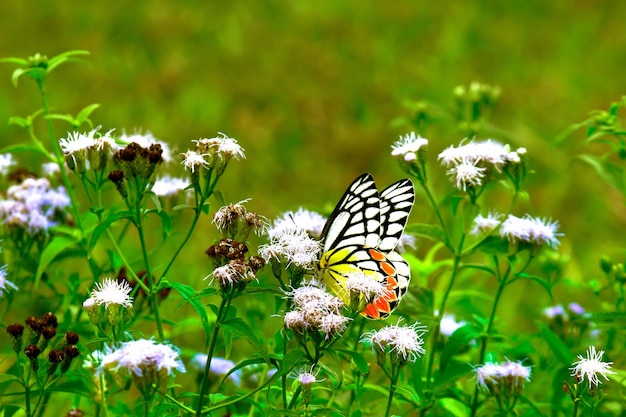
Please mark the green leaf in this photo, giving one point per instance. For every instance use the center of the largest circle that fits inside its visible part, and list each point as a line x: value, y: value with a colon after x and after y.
x: 357, y: 359
x: 26, y: 147
x: 427, y: 231
x: 13, y: 60
x: 556, y: 345
x: 455, y: 407
x: 83, y: 115
x: 408, y: 393
x: 240, y: 329
x: 612, y: 174
x: 187, y: 292
x: 539, y: 280
x: 57, y: 60
x: 494, y: 245
x: 16, y: 75
x: 609, y: 318
x: 457, y: 341
x: 57, y: 245
x: 104, y: 225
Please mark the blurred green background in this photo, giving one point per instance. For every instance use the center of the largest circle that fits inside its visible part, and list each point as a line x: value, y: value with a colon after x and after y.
x: 310, y: 89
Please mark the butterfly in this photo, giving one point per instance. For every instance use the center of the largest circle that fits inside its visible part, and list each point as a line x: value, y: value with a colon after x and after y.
x: 360, y: 237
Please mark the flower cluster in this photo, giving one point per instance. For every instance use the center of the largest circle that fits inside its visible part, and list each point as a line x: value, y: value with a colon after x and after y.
x: 402, y: 343
x: 146, y: 140
x: 213, y: 153
x: 315, y: 310
x: 235, y: 218
x: 589, y: 367
x: 470, y: 165
x: 136, y: 169
x: 410, y: 151
x: 232, y: 269
x: 292, y: 245
x: 503, y: 379
x: 519, y: 230
x: 168, y: 186
x: 311, y: 221
x: 114, y: 295
x: 87, y: 150
x: 38, y: 337
x: 33, y: 205
x: 147, y: 363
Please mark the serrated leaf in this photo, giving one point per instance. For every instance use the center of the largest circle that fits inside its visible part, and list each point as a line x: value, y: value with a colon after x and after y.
x: 57, y: 245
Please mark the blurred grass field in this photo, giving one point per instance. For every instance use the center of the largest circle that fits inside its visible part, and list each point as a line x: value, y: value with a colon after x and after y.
x: 310, y: 89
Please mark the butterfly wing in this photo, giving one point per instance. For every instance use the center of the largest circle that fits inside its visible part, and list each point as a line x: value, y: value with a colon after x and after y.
x: 360, y: 236
x: 356, y: 218
x: 396, y: 202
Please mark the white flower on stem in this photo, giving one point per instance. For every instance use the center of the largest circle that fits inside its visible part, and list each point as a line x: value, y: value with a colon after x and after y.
x: 488, y: 153
x: 306, y: 376
x: 5, y: 284
x: 466, y: 174
x: 588, y: 368
x: 485, y: 225
x: 515, y: 374
x: 144, y: 360
x: 231, y: 274
x: 407, y: 147
x: 531, y: 230
x: 360, y: 284
x: 405, y: 342
x: 167, y: 186
x: 488, y: 375
x: 145, y: 140
x: 50, y: 169
x: 192, y: 160
x: 449, y: 325
x: 227, y: 217
x: 222, y: 146
x: 6, y: 162
x: 295, y: 246
x: 112, y: 292
x: 219, y: 366
x: 308, y: 220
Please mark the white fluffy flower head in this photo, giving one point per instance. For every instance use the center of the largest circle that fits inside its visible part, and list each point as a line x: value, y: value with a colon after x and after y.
x: 408, y: 146
x: 588, y: 368
x: 295, y: 246
x: 312, y: 222
x: 140, y: 358
x: 531, y: 230
x: 486, y: 224
x: 112, y: 292
x: 466, y: 174
x: 168, y: 186
x: 405, y: 342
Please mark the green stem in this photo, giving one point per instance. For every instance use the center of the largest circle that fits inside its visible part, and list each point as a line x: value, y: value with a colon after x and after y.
x: 395, y: 373
x: 205, y: 377
x: 433, y: 203
x: 502, y: 281
x: 59, y: 156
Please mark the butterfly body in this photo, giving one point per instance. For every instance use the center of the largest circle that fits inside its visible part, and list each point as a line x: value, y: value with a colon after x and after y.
x: 360, y: 238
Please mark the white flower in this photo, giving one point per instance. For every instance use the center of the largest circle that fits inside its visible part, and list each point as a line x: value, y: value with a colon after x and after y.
x: 6, y: 162
x: 145, y: 140
x: 192, y: 160
x: 588, y: 368
x: 363, y: 284
x: 50, y: 169
x: 489, y: 152
x: 516, y: 373
x: 576, y: 308
x: 167, y: 186
x: 485, y: 225
x: 449, y: 325
x: 406, y: 342
x: 227, y: 216
x: 315, y: 309
x: 219, y: 366
x: 5, y: 284
x: 230, y: 274
x: 294, y: 245
x: 224, y: 147
x: 488, y: 374
x: 141, y: 357
x: 306, y: 376
x: 466, y: 174
x: 308, y: 220
x: 408, y: 146
x: 111, y: 291
x: 531, y: 230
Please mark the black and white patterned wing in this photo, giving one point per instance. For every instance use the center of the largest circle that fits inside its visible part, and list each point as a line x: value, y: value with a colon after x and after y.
x: 396, y: 202
x: 356, y: 218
